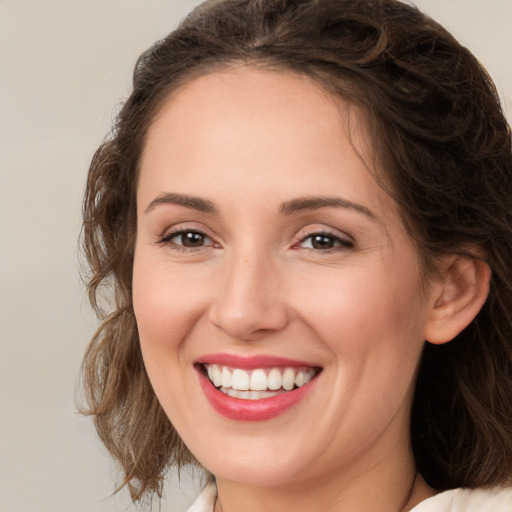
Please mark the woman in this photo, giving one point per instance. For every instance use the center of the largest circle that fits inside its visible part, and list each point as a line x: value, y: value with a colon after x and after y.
x: 304, y: 215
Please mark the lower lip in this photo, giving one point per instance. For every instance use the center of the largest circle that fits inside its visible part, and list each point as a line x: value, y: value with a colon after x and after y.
x: 252, y: 410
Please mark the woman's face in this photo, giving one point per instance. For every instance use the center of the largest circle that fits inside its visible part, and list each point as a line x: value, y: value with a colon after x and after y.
x: 268, y: 257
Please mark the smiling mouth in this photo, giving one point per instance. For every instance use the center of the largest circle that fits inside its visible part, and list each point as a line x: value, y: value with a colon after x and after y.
x: 258, y: 383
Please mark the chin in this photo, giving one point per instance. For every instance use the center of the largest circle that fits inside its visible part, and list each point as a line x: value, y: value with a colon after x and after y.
x: 253, y: 473
x: 257, y: 462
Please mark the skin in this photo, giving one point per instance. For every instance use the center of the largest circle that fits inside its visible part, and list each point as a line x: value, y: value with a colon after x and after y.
x: 257, y: 286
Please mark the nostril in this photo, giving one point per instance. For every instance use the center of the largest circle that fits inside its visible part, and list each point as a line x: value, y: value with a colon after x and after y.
x: 249, y: 321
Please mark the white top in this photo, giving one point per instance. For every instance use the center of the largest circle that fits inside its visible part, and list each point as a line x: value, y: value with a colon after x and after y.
x: 456, y: 500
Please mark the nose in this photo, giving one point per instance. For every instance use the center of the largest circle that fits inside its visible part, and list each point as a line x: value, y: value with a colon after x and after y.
x: 250, y: 303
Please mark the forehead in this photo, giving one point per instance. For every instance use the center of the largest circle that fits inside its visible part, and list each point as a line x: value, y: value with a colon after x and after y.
x: 266, y: 128
x: 251, y: 97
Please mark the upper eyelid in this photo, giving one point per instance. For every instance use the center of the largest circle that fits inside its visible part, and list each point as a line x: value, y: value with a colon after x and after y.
x: 301, y: 235
x: 305, y: 233
x: 187, y: 226
x: 176, y: 232
x: 340, y: 242
x: 165, y: 240
x: 170, y: 234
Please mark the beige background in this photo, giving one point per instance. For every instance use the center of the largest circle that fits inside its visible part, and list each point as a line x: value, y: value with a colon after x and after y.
x: 64, y: 65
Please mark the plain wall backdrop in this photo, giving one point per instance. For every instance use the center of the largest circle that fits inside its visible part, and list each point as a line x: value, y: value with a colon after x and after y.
x: 64, y: 66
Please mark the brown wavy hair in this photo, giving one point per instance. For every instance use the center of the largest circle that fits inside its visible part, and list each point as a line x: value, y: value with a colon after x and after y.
x: 441, y: 138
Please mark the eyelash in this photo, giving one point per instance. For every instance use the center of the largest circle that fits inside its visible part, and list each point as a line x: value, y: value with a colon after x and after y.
x: 167, y: 240
x: 338, y: 242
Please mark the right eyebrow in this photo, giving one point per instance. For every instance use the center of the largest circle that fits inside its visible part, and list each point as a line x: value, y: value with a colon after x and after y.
x: 315, y: 203
x: 196, y: 203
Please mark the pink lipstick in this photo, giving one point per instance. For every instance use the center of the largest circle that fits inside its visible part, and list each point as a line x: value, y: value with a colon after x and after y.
x: 254, y: 388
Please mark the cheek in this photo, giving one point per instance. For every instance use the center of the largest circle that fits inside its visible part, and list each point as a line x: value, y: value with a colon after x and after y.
x: 166, y: 304
x: 153, y: 306
x: 375, y: 332
x: 165, y: 310
x: 372, y: 305
x: 373, y: 325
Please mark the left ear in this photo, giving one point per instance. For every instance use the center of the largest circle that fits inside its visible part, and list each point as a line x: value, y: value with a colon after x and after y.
x: 457, y: 297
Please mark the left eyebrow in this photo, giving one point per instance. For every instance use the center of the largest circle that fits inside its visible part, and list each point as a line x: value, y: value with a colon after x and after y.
x: 195, y: 203
x: 315, y: 203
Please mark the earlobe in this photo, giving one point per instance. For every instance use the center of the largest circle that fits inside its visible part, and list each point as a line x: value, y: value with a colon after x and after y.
x: 457, y: 297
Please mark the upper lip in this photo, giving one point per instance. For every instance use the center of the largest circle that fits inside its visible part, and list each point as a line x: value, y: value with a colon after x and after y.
x: 252, y: 362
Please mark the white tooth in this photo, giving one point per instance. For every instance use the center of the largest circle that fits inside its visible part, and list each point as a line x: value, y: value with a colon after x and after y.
x: 274, y: 380
x: 217, y: 376
x: 226, y: 378
x: 258, y: 395
x: 240, y: 380
x: 299, y: 379
x: 288, y: 379
x: 247, y: 395
x: 308, y: 376
x: 258, y: 380
x: 209, y: 370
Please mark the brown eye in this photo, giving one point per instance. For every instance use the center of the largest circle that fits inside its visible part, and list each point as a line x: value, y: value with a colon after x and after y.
x: 192, y: 239
x: 324, y: 242
x: 186, y: 239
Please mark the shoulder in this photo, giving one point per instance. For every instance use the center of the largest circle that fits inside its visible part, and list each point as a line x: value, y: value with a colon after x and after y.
x: 497, y: 499
x: 205, y: 501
